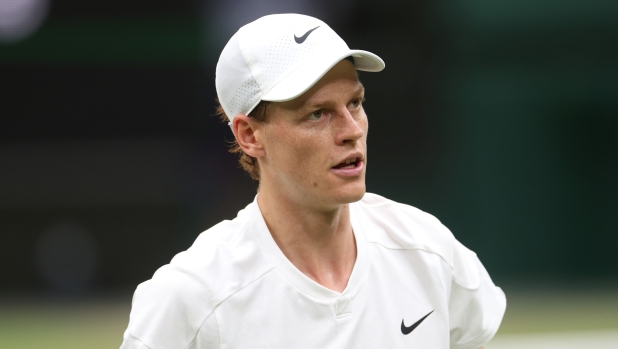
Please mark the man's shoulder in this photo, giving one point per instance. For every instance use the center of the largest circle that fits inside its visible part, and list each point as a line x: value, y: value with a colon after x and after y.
x: 385, y: 206
x: 399, y: 226
x: 401, y: 218
x: 182, y: 294
x: 223, y: 260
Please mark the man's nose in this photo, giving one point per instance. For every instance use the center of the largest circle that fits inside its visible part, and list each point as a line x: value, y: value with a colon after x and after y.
x: 350, y: 128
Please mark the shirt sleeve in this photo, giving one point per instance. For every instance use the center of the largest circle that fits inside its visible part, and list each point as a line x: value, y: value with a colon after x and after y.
x: 168, y: 313
x: 476, y: 305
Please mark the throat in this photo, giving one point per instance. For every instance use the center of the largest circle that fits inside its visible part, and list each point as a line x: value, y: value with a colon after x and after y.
x: 322, y: 248
x: 331, y: 267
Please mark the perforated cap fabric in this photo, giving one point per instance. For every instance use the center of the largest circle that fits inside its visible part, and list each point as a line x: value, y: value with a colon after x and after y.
x: 279, y: 57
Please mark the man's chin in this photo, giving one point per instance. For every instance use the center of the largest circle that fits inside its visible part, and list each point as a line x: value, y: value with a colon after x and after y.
x: 351, y: 195
x: 358, y: 196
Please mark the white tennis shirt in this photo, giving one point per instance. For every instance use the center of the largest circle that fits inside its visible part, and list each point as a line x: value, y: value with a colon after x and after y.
x: 234, y: 288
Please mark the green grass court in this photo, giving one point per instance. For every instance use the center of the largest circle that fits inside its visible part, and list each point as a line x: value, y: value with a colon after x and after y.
x: 36, y: 324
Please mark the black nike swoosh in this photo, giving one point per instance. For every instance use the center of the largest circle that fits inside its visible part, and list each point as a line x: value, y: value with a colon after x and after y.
x: 406, y: 330
x: 304, y: 37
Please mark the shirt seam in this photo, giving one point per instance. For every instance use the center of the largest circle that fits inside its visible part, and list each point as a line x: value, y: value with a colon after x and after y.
x: 214, y: 313
x: 221, y: 302
x: 427, y: 251
x: 412, y: 249
x: 200, y: 328
x: 240, y: 289
x: 236, y: 237
x: 140, y: 341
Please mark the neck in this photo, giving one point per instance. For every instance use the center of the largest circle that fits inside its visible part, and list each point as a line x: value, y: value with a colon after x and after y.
x: 319, y: 242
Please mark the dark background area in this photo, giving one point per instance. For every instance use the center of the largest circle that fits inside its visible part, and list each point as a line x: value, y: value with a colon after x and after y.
x: 499, y: 118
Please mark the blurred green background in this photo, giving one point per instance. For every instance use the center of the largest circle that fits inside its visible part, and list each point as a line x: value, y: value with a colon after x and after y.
x: 499, y: 118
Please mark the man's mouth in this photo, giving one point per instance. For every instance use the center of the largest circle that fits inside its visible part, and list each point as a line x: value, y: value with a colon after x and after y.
x: 350, y: 163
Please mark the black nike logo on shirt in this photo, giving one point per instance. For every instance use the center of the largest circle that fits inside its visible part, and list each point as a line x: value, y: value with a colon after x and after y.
x: 407, y: 330
x: 304, y: 37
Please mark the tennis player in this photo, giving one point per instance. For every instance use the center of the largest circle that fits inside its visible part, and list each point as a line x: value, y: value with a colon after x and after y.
x: 314, y: 261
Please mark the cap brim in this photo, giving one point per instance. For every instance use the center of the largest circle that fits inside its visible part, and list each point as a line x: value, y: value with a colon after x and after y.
x: 305, y: 76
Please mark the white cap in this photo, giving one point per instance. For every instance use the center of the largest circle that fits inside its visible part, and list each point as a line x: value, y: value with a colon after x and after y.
x: 277, y: 58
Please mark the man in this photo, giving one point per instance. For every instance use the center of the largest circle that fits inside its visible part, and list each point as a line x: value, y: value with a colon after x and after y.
x: 314, y: 261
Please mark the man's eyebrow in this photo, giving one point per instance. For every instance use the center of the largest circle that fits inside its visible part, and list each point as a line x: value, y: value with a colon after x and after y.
x: 360, y: 91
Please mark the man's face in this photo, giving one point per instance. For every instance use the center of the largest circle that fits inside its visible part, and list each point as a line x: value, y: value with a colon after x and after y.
x: 315, y: 145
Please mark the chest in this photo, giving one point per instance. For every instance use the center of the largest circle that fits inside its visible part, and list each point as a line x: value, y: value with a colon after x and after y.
x: 402, y: 302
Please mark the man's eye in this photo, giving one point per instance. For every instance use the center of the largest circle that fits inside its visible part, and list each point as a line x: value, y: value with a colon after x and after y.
x: 356, y: 103
x: 316, y: 115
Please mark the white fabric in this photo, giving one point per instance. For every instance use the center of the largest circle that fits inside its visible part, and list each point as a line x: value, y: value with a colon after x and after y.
x: 234, y: 288
x: 263, y: 61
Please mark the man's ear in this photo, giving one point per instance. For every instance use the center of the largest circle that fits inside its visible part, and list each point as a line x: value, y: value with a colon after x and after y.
x: 245, y: 130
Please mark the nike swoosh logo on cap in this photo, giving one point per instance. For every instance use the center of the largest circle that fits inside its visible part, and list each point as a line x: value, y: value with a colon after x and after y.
x: 304, y: 37
x: 407, y: 330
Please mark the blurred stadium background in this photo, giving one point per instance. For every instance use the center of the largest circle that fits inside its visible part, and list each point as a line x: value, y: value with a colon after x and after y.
x: 498, y: 117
